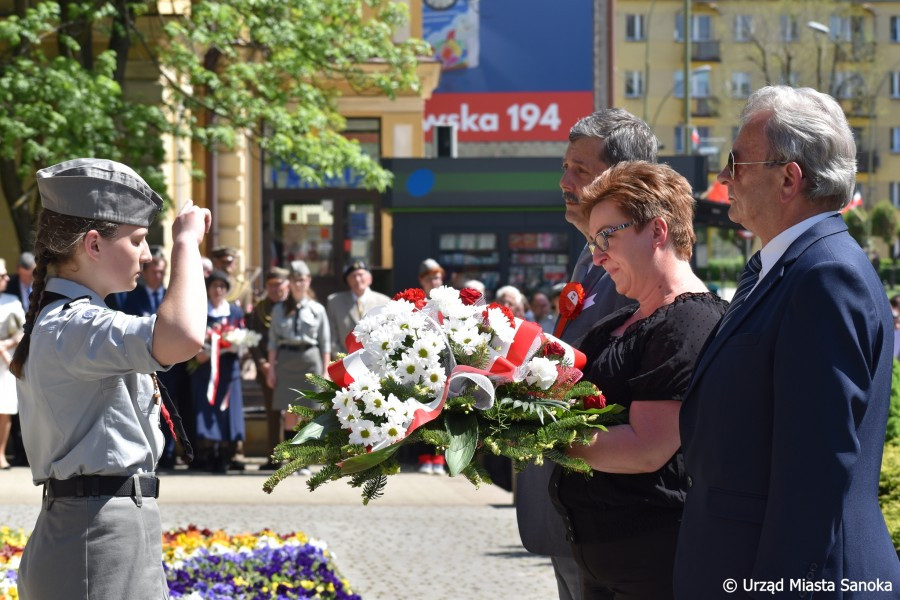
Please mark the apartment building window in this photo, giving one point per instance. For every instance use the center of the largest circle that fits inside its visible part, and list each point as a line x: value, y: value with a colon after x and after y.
x: 701, y: 28
x: 895, y: 139
x: 791, y: 79
x: 698, y: 136
x: 847, y: 85
x: 840, y: 28
x: 895, y: 29
x: 743, y: 28
x: 634, y: 84
x: 634, y: 28
x: 894, y: 192
x: 895, y: 84
x: 700, y: 87
x: 741, y: 86
x: 788, y: 28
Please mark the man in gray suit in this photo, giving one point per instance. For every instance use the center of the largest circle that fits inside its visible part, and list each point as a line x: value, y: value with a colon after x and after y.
x: 345, y: 309
x: 596, y: 142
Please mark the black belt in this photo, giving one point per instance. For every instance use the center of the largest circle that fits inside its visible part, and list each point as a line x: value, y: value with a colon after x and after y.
x: 102, y: 485
x: 296, y: 347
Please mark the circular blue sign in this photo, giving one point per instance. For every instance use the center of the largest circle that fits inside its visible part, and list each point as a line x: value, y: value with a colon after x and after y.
x: 420, y: 182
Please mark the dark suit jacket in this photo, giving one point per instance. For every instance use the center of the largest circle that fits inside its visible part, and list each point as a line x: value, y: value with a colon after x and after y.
x: 783, y: 430
x: 540, y: 526
x: 137, y: 302
x: 13, y: 288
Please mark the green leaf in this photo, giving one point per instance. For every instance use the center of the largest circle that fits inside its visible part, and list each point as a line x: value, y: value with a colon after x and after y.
x: 317, y: 428
x: 463, y: 430
x: 367, y: 461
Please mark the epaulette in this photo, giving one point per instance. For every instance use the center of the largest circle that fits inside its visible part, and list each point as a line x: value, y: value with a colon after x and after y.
x: 77, y: 302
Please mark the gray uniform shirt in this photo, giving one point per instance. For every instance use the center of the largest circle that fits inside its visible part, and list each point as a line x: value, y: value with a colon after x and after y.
x: 306, y: 326
x: 87, y: 400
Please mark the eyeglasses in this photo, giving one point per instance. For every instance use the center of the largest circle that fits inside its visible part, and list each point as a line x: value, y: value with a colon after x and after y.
x: 4, y: 275
x: 731, y: 163
x: 601, y: 239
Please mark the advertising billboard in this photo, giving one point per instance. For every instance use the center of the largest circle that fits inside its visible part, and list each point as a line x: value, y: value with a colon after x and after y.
x: 513, y: 70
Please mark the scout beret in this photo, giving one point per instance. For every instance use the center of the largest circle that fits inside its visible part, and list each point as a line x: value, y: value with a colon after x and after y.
x: 430, y: 266
x: 355, y: 265
x: 100, y: 189
x: 299, y: 269
x: 218, y: 275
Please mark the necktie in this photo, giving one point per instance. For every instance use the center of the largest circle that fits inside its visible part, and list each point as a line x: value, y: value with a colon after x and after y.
x: 582, y: 265
x: 748, y: 281
x: 359, y: 308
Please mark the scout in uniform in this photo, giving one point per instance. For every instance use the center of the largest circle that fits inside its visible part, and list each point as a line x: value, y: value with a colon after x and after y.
x: 90, y: 406
x: 299, y: 343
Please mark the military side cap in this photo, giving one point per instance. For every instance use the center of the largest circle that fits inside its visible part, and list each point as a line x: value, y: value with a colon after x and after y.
x: 299, y: 269
x: 276, y: 273
x: 100, y: 189
x: 223, y: 251
x: 355, y: 265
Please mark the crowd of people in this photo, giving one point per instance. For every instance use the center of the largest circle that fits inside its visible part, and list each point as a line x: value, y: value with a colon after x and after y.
x: 750, y: 448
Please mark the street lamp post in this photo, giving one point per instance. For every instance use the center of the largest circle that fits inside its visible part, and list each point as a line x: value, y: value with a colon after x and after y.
x: 825, y: 30
x: 687, y: 76
x: 668, y: 94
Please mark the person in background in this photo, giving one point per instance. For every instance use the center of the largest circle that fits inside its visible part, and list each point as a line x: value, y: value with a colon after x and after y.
x: 207, y: 266
x: 345, y: 309
x: 225, y: 259
x: 218, y: 398
x: 474, y: 284
x: 143, y: 301
x: 88, y: 402
x: 895, y: 313
x: 542, y: 311
x: 259, y: 320
x: 431, y: 275
x: 12, y: 319
x: 623, y: 520
x: 783, y: 424
x: 510, y: 297
x: 596, y: 142
x: 20, y: 283
x: 299, y: 342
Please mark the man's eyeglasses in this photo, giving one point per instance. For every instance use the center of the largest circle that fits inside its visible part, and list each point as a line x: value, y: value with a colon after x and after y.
x: 731, y: 163
x: 601, y: 239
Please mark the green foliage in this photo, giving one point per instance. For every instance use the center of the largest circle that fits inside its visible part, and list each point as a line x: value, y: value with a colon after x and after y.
x: 889, y: 491
x: 883, y: 221
x: 892, y: 434
x: 857, y: 225
x: 269, y: 69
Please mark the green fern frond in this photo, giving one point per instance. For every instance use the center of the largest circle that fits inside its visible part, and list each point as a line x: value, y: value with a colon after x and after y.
x: 329, y: 472
x: 477, y: 474
x: 572, y: 464
x: 322, y: 383
x: 304, y: 412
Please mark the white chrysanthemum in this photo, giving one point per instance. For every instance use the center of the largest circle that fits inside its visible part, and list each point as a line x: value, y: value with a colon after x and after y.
x: 468, y: 339
x: 444, y: 299
x: 384, y: 341
x: 364, y: 385
x: 541, y: 372
x: 410, y: 406
x: 434, y: 378
x: 463, y: 312
x: 392, y: 432
x: 348, y: 414
x: 395, y: 409
x: 500, y: 325
x: 410, y: 369
x: 366, y: 326
x: 398, y: 307
x: 343, y: 398
x: 365, y: 432
x: 375, y: 404
x: 425, y: 350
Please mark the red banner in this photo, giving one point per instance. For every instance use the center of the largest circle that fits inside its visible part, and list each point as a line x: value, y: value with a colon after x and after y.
x: 508, y: 116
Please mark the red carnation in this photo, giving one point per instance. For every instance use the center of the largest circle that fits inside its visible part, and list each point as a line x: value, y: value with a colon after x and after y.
x: 414, y: 295
x: 469, y: 296
x: 597, y: 401
x: 554, y: 349
x: 506, y: 312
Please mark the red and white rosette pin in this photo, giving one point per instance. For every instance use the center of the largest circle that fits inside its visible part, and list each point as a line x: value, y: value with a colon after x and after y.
x: 571, y: 301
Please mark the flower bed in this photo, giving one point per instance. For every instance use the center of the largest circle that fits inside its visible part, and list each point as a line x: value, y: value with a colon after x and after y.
x: 212, y: 565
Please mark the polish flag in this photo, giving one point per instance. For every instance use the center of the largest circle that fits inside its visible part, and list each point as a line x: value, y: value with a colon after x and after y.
x: 855, y: 202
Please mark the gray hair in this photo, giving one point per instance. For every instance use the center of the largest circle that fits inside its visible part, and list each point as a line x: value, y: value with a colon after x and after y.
x: 625, y: 136
x: 513, y: 292
x: 808, y: 127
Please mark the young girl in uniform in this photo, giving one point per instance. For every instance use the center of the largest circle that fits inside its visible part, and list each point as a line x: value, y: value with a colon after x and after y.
x: 89, y: 405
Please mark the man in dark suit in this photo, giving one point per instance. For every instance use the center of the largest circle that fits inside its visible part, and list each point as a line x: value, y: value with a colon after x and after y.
x: 596, y: 142
x: 783, y: 425
x: 146, y: 297
x: 20, y: 283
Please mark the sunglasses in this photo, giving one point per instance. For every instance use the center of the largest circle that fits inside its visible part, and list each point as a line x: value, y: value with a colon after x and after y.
x: 601, y: 240
x: 731, y: 163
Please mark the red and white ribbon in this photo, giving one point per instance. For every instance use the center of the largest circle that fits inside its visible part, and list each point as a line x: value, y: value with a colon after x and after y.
x: 213, y: 385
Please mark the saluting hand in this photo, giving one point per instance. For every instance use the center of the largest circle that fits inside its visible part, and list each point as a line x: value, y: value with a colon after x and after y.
x: 192, y: 222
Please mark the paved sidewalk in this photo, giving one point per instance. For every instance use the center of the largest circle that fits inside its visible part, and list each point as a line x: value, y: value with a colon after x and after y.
x: 429, y: 536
